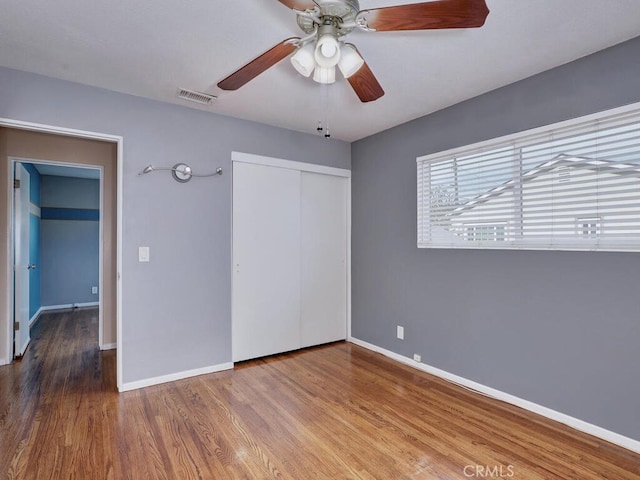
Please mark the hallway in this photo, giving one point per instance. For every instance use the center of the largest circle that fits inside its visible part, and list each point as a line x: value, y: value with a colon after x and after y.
x: 53, y: 398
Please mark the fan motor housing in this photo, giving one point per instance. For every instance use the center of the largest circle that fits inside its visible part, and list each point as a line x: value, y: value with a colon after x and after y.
x: 336, y: 11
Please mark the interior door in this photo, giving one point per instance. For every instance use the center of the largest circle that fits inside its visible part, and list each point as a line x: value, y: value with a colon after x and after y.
x: 21, y: 260
x: 266, y: 260
x: 324, y: 259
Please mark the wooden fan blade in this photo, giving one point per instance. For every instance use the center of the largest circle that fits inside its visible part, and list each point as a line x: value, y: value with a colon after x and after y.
x: 301, y: 5
x: 427, y: 15
x: 255, y: 67
x: 365, y: 84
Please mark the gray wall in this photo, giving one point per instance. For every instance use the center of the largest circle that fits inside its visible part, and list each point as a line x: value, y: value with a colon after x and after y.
x: 69, y: 248
x: 560, y: 329
x: 176, y: 310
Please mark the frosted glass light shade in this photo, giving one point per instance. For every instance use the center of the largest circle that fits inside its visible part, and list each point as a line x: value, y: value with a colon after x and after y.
x: 303, y: 60
x: 350, y: 60
x: 327, y: 53
x: 324, y: 74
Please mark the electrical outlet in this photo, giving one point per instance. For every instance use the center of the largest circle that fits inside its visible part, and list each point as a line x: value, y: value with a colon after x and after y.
x: 417, y: 358
x: 94, y: 290
x: 400, y: 332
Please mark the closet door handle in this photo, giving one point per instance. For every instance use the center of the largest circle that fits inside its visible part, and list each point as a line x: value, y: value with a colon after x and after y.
x: 31, y: 266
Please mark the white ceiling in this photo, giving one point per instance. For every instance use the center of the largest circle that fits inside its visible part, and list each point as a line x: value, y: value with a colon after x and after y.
x: 150, y: 48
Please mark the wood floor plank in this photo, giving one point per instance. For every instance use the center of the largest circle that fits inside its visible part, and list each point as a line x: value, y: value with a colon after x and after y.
x: 332, y: 412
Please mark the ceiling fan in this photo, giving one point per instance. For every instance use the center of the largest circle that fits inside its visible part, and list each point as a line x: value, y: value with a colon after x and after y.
x: 326, y: 22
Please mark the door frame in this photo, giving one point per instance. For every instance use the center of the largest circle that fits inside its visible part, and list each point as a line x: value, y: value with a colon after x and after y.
x: 69, y: 132
x: 302, y: 167
x: 13, y: 161
x: 20, y: 173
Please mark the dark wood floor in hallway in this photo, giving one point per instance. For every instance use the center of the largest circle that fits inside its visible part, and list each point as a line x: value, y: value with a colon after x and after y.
x: 332, y: 412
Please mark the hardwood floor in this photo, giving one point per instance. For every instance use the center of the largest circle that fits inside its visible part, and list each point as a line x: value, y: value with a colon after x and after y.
x: 332, y: 412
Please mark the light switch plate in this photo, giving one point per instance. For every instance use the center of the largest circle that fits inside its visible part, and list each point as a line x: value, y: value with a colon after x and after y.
x: 143, y: 254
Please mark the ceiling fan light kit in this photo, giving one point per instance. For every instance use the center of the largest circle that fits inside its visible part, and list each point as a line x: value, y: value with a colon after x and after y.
x: 303, y: 60
x: 326, y: 22
x: 322, y: 59
x: 324, y: 75
x: 350, y: 60
x: 327, y: 51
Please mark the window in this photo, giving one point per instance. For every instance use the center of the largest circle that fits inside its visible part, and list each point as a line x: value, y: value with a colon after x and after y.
x: 569, y: 186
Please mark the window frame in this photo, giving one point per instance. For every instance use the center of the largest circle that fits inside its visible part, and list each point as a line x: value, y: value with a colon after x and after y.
x: 519, y: 140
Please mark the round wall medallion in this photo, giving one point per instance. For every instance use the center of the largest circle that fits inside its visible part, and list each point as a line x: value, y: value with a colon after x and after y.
x: 181, y: 172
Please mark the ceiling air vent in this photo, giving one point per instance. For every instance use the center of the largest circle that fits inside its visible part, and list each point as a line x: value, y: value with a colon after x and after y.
x: 197, y: 97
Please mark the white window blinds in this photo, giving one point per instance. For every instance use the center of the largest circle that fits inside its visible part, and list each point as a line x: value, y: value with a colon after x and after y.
x: 569, y: 186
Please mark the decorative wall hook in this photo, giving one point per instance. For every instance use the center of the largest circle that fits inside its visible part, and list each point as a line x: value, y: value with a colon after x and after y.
x: 181, y: 172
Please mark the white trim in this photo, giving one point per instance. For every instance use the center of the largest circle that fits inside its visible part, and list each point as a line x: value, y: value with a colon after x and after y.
x: 67, y: 306
x: 589, y: 428
x: 50, y: 308
x: 9, y: 274
x: 70, y: 132
x: 23, y: 348
x: 3, y: 361
x: 33, y: 319
x: 101, y: 259
x: 231, y: 257
x: 34, y: 209
x: 349, y: 258
x: 56, y: 163
x: 119, y: 212
x: 11, y: 291
x: 290, y: 164
x: 108, y: 346
x: 172, y: 377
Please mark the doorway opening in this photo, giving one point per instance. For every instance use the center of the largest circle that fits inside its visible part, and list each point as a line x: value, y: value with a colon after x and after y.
x: 58, y: 242
x: 51, y: 146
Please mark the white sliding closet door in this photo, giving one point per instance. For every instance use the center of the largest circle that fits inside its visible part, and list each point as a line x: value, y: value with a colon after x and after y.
x: 266, y: 260
x: 323, y: 235
x: 290, y: 272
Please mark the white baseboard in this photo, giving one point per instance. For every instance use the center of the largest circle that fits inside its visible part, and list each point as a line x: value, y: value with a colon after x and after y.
x: 596, y: 431
x: 66, y: 306
x: 23, y: 348
x: 3, y: 361
x: 108, y: 346
x: 173, y: 377
x: 33, y: 319
x: 48, y: 308
x: 87, y: 304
